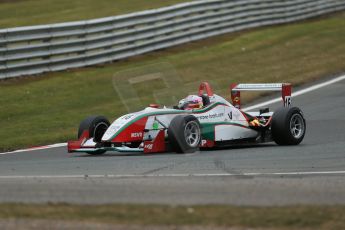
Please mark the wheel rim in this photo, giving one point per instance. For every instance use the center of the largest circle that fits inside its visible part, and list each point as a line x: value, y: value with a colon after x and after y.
x: 192, y: 134
x: 297, y: 125
x: 99, y: 131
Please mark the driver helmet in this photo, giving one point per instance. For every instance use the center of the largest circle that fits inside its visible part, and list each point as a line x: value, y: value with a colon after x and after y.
x: 193, y: 102
x: 181, y: 103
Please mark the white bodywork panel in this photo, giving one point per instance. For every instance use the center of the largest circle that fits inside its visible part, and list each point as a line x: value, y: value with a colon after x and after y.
x: 216, y: 114
x: 233, y: 132
x: 256, y: 114
x: 89, y: 143
x: 234, y: 115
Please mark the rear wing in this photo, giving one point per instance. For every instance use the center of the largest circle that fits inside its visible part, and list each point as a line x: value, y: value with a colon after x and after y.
x: 285, y: 88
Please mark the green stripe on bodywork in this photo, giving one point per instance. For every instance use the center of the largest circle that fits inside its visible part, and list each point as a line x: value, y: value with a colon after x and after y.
x: 208, y: 132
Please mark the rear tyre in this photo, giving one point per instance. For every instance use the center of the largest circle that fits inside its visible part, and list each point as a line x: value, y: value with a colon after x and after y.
x: 96, y: 125
x: 184, y: 134
x: 288, y: 126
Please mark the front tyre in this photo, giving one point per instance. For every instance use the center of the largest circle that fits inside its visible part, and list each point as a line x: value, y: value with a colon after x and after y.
x: 288, y: 126
x: 184, y: 134
x: 96, y: 126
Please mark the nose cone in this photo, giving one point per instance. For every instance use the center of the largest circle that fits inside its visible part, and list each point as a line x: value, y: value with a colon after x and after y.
x: 127, y: 128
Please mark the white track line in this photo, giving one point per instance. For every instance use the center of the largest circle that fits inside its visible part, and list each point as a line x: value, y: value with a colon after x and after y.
x: 297, y: 93
x: 36, y: 148
x: 178, y: 175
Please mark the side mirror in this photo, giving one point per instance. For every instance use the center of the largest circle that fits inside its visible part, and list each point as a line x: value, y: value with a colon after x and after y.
x: 265, y: 110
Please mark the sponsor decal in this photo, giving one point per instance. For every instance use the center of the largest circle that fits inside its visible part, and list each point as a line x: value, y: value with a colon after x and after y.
x: 210, y: 116
x: 148, y: 146
x: 127, y: 117
x: 136, y: 135
x: 230, y: 115
x: 203, y: 142
x: 287, y: 101
x: 112, y: 129
x: 155, y: 125
x: 207, y: 143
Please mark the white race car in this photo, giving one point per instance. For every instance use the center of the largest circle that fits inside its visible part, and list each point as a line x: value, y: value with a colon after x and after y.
x: 183, y: 129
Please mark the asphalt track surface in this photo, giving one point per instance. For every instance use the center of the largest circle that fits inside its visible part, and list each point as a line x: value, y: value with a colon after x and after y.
x: 310, y: 173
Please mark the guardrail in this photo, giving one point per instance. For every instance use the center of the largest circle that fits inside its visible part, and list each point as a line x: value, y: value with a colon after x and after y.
x: 37, y: 49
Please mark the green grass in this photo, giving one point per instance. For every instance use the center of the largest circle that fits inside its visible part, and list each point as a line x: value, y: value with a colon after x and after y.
x: 48, y: 109
x: 289, y: 217
x: 14, y: 13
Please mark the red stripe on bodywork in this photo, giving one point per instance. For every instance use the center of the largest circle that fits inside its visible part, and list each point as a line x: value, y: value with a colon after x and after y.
x: 157, y: 145
x: 133, y: 133
x: 73, y: 145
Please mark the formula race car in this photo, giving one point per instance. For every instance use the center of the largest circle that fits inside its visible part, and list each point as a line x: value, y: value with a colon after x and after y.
x: 205, y: 120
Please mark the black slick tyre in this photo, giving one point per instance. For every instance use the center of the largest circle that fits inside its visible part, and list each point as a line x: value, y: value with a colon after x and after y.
x: 96, y: 125
x: 184, y: 134
x: 288, y: 126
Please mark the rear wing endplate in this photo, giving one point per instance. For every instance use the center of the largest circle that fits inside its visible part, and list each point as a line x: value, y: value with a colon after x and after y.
x: 285, y: 88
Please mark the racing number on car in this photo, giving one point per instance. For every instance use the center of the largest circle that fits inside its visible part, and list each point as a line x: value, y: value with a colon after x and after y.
x: 287, y: 102
x: 230, y: 115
